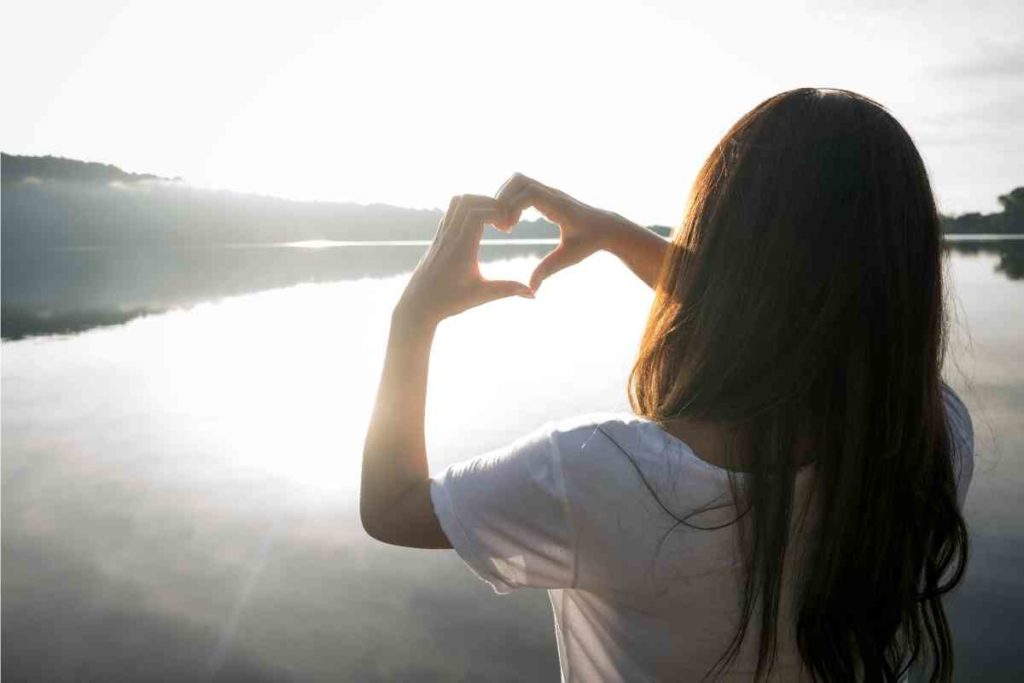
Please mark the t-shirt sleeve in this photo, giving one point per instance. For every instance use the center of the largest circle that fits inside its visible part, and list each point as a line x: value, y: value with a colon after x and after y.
x: 507, y: 516
x: 961, y: 431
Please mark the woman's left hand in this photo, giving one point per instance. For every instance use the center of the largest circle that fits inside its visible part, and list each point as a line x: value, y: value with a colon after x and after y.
x: 447, y: 280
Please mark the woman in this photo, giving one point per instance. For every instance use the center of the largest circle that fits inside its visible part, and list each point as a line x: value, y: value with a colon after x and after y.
x: 784, y: 501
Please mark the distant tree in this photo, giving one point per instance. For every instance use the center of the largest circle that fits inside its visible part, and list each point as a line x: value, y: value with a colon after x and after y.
x: 1013, y: 210
x: 1010, y: 219
x: 1014, y: 201
x: 14, y: 168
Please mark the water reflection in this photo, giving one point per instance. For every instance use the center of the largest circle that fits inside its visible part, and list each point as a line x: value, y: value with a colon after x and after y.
x: 48, y: 291
x: 179, y: 491
x: 60, y: 290
x: 1009, y: 249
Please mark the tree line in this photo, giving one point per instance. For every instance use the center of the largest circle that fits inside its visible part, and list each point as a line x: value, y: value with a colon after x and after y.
x: 1009, y: 220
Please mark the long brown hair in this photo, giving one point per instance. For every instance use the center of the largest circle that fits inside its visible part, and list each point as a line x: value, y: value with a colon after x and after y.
x: 801, y: 301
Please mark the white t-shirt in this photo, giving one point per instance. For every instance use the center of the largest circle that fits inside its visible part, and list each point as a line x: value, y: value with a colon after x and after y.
x: 635, y: 596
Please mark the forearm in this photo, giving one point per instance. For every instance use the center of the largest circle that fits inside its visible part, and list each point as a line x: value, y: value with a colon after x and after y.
x: 642, y: 250
x: 395, y: 454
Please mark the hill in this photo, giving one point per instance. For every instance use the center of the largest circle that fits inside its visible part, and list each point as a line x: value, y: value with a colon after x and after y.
x: 25, y: 168
x: 53, y: 202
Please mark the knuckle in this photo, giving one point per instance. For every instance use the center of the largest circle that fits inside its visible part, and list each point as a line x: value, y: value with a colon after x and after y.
x: 519, y: 180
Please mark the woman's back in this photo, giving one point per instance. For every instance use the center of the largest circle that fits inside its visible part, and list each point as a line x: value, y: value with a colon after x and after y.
x: 671, y: 609
x: 588, y: 508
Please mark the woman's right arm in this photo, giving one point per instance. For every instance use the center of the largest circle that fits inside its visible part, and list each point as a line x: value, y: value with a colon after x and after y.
x: 584, y: 229
x: 641, y: 249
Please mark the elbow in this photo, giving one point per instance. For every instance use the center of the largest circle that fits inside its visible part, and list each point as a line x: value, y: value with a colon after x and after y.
x: 372, y: 525
x: 374, y: 532
x: 368, y: 528
x: 381, y: 534
x: 366, y: 518
x: 370, y: 511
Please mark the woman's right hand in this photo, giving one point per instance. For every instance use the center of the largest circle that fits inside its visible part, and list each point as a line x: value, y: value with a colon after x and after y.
x: 584, y: 229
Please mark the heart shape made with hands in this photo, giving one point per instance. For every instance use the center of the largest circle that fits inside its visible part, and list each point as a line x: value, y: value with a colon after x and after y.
x: 579, y: 225
x: 447, y: 279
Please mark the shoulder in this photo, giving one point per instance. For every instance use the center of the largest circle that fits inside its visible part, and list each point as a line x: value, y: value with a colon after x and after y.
x: 604, y: 444
x: 560, y: 442
x: 580, y: 431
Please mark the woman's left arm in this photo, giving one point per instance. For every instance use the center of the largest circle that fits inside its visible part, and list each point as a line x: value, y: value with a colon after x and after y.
x: 394, y: 502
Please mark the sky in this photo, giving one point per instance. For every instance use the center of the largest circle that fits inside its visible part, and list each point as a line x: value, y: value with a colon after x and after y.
x: 409, y: 103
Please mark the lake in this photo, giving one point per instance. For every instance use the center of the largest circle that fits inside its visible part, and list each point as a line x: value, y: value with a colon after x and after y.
x: 180, y: 491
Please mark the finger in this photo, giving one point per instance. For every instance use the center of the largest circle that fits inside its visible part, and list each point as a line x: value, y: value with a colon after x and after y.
x: 446, y: 221
x: 442, y: 227
x: 442, y: 224
x: 466, y: 203
x: 473, y: 223
x: 511, y: 217
x: 513, y: 183
x: 447, y: 217
x: 556, y: 260
x: 509, y: 189
x: 520, y: 192
x: 546, y: 200
x: 452, y: 227
x: 499, y: 289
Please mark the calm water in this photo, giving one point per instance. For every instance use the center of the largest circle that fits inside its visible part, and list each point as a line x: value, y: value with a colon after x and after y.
x: 179, y: 492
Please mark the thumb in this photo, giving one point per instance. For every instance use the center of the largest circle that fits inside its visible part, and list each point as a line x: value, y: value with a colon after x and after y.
x: 557, y: 259
x: 499, y: 289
